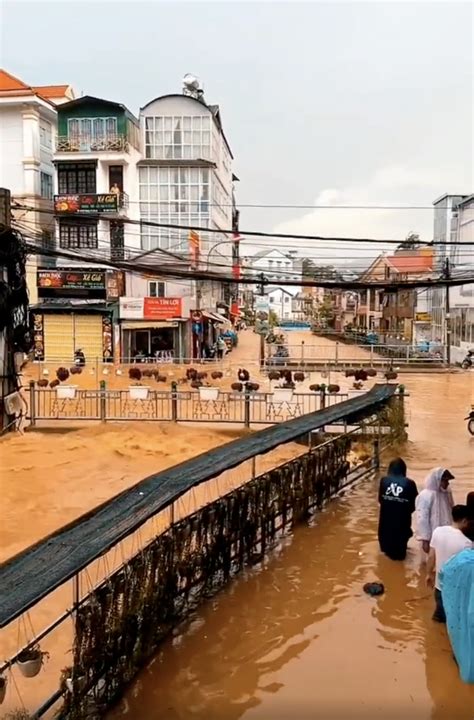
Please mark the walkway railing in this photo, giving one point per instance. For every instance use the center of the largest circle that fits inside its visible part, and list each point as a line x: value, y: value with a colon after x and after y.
x: 140, y: 562
x: 249, y: 408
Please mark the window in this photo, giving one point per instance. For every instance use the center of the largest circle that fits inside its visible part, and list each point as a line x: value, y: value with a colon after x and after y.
x: 47, y: 240
x: 76, y: 178
x: 156, y: 289
x: 272, y: 299
x: 73, y: 235
x: 46, y: 136
x: 92, y: 130
x: 46, y: 181
x: 287, y: 299
x: 174, y: 196
x: 185, y: 137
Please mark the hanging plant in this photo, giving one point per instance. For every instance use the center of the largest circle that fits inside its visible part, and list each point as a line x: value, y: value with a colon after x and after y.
x: 3, y: 688
x: 62, y: 374
x: 237, y: 386
x: 216, y: 374
x: 161, y: 378
x: 371, y: 372
x: 274, y: 375
x: 75, y: 370
x: 201, y: 375
x: 148, y: 373
x: 243, y: 375
x: 42, y: 383
x: 30, y: 661
x: 358, y: 385
x: 196, y: 384
x: 391, y: 375
x: 315, y: 388
x: 334, y: 388
x: 298, y: 376
x: 350, y: 372
x: 252, y: 387
x: 361, y: 375
x: 191, y: 373
x: 54, y: 384
x: 135, y: 373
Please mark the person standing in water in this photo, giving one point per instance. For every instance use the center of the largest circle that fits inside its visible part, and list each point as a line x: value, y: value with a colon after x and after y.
x: 469, y: 530
x: 397, y: 495
x: 434, y: 505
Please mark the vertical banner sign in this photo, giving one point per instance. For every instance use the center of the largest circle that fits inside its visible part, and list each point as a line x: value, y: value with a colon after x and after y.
x: 194, y: 248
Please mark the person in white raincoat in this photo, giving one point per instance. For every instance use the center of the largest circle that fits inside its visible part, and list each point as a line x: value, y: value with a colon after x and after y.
x: 434, y: 505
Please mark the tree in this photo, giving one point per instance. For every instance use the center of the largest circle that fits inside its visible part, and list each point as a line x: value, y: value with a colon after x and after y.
x: 411, y: 242
x: 320, y: 272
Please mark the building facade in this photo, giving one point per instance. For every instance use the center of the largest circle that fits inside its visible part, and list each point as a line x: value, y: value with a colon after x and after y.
x: 95, y: 161
x: 28, y: 119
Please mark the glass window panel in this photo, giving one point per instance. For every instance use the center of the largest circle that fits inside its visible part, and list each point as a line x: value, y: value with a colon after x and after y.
x: 205, y: 175
x: 164, y: 192
x: 205, y: 151
x: 168, y: 137
x: 184, y: 192
x: 168, y: 152
x: 194, y: 192
x: 178, y: 152
x: 206, y: 122
x: 158, y: 123
x: 175, y: 175
x: 149, y: 123
x: 205, y: 192
x: 153, y: 208
x: 143, y: 192
x: 168, y: 123
x: 153, y: 175
x: 206, y: 137
x: 194, y: 206
x: 187, y: 136
x: 183, y: 175
x: 158, y: 138
x: 194, y: 175
x: 153, y: 189
x: 164, y: 175
x: 196, y: 122
x: 143, y: 174
x: 196, y: 137
x: 158, y: 154
x: 187, y: 122
x: 187, y: 154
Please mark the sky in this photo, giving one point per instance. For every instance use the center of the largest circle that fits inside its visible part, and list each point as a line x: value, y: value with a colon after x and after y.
x: 357, y: 103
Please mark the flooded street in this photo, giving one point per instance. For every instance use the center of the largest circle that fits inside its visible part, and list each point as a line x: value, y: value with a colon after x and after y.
x: 300, y: 638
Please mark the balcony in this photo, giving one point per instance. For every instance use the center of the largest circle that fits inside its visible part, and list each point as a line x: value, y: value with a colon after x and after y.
x: 91, y: 203
x: 86, y: 143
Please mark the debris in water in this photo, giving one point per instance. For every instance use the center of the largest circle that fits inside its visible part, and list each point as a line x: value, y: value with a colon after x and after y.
x: 374, y: 588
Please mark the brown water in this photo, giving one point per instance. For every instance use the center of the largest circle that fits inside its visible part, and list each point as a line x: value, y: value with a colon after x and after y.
x: 298, y: 638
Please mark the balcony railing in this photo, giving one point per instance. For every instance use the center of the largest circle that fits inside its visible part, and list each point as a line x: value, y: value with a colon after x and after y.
x: 86, y: 143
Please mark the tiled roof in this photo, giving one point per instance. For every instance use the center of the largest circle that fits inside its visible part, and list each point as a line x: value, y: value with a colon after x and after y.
x: 10, y: 82
x: 52, y: 91
x: 411, y: 263
x: 11, y: 86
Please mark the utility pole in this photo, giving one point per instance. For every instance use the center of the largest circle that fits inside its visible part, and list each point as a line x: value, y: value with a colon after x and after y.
x: 7, y: 368
x: 261, y: 292
x: 447, y: 312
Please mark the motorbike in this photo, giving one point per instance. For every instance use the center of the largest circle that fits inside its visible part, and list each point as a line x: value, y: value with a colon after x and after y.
x: 470, y: 421
x: 468, y: 361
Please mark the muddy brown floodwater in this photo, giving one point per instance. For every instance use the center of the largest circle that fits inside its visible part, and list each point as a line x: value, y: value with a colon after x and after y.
x: 299, y: 638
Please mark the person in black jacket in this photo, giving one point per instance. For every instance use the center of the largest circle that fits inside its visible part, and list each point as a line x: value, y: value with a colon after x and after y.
x: 469, y: 530
x: 397, y: 495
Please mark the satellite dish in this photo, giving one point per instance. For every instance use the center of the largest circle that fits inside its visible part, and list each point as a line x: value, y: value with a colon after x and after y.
x: 191, y: 82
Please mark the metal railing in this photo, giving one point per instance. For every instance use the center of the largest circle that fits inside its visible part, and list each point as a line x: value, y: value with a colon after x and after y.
x: 142, y: 403
x: 85, y: 143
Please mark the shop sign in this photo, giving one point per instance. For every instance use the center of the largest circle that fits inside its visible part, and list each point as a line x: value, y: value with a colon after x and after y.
x: 115, y: 285
x: 150, y: 308
x: 38, y: 336
x: 423, y: 317
x: 162, y: 308
x: 107, y: 349
x: 91, y: 203
x: 70, y: 280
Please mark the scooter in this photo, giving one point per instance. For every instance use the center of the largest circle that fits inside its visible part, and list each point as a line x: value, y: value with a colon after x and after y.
x: 468, y: 362
x: 470, y: 421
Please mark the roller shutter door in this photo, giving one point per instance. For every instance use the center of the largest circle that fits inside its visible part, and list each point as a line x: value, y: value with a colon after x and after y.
x: 88, y: 336
x: 59, y: 338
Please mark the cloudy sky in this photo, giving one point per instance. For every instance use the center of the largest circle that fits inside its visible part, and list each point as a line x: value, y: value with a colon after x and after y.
x: 336, y: 103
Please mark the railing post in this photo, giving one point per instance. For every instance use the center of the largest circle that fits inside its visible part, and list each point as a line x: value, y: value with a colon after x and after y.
x: 246, y: 407
x: 32, y: 404
x: 371, y: 356
x: 408, y: 355
x: 376, y: 454
x: 337, y: 354
x: 174, y: 401
x: 103, y: 402
x: 302, y: 353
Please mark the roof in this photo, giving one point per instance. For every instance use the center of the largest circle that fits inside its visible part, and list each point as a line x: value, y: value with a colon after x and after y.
x: 411, y: 263
x: 262, y: 253
x: 11, y: 86
x: 213, y: 109
x: 86, y: 99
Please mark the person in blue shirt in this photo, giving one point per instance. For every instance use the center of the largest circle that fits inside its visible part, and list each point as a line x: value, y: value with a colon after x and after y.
x: 397, y: 495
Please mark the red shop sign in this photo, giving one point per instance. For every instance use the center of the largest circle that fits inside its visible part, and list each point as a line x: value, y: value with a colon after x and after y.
x: 162, y: 308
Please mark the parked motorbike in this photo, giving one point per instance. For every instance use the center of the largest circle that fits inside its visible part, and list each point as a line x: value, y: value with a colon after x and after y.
x: 468, y: 360
x: 470, y: 421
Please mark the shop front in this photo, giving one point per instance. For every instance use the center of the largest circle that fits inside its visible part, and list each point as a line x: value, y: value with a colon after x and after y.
x: 206, y: 326
x: 152, y: 330
x: 75, y: 312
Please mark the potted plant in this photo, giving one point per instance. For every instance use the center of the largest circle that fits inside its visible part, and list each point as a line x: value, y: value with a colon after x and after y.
x: 30, y: 661
x: 42, y: 383
x: 3, y: 688
x: 333, y: 389
x: 62, y: 374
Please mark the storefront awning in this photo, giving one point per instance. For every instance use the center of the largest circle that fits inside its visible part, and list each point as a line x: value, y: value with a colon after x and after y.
x: 150, y: 324
x: 215, y: 317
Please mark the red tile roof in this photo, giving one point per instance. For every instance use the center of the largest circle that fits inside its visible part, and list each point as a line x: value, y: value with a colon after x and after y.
x: 411, y: 263
x: 10, y: 82
x: 11, y: 86
x: 52, y: 91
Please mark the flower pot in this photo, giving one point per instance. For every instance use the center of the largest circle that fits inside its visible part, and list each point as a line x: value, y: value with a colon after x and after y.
x: 79, y: 681
x: 66, y: 392
x: 30, y: 662
x: 3, y: 689
x: 138, y: 392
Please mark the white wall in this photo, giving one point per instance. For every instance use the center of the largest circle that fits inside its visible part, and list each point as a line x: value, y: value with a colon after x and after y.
x: 11, y: 149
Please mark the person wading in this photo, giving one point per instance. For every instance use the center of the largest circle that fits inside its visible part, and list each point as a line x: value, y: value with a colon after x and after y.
x: 469, y: 530
x: 434, y: 505
x: 397, y: 495
x: 446, y: 541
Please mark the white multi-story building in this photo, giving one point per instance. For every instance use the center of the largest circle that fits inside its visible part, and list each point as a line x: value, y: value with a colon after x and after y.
x: 276, y: 266
x: 28, y: 118
x: 454, y: 222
